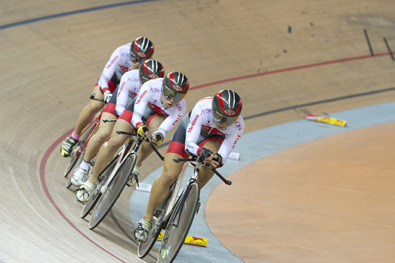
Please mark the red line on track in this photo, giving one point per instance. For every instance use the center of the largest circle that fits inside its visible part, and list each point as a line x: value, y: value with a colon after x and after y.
x: 46, y: 191
x: 286, y: 69
x: 58, y: 141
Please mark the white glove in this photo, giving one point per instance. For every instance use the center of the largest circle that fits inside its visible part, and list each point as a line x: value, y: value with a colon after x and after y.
x: 107, y: 96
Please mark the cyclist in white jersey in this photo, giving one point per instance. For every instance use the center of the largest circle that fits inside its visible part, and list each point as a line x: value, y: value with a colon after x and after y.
x: 211, y: 130
x: 127, y: 90
x: 124, y: 58
x: 158, y: 107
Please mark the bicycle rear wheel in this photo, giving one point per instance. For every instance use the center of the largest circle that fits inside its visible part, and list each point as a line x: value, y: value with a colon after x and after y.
x: 96, y: 193
x: 110, y: 196
x: 179, y: 224
x: 77, y: 163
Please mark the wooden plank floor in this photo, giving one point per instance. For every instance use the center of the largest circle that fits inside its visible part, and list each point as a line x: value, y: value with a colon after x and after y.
x: 285, y: 59
x: 329, y: 200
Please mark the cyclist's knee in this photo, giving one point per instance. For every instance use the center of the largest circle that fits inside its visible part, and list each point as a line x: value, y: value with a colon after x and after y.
x: 115, y: 142
x: 168, y: 177
x: 102, y: 135
x: 94, y: 107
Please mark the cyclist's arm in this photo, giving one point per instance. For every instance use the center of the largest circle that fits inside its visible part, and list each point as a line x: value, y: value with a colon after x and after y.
x: 109, y: 70
x: 193, y: 132
x: 141, y: 103
x: 175, y: 116
x: 122, y: 95
x: 231, y: 139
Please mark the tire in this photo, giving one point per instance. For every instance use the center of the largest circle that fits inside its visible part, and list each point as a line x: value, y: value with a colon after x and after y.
x: 76, y: 164
x: 74, y: 157
x: 73, y: 161
x: 96, y: 193
x: 110, y: 196
x: 144, y: 248
x: 183, y: 214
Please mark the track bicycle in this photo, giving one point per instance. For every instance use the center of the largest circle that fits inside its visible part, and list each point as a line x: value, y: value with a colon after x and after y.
x: 176, y: 217
x: 79, y: 150
x: 113, y: 179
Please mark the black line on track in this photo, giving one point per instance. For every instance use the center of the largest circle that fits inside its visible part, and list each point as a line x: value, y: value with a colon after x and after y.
x: 388, y: 47
x: 320, y: 102
x: 367, y: 40
x: 165, y: 144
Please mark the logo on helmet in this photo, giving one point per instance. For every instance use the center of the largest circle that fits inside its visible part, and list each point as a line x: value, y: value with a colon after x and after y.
x: 141, y: 55
x: 153, y: 76
x: 177, y: 88
x: 229, y: 112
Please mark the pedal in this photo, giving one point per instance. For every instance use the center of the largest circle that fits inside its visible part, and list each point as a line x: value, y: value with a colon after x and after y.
x: 130, y: 181
x: 198, y: 207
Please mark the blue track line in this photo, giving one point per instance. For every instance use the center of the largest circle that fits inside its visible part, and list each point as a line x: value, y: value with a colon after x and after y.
x: 86, y: 10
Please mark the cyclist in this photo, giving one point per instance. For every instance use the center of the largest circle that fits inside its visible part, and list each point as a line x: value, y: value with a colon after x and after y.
x: 159, y: 106
x: 211, y: 130
x: 127, y: 90
x: 124, y: 58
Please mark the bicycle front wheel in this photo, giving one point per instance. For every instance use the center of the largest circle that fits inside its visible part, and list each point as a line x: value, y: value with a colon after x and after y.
x: 179, y: 224
x: 160, y: 213
x: 77, y: 162
x: 81, y: 141
x: 115, y: 188
x: 96, y: 193
x: 73, y: 161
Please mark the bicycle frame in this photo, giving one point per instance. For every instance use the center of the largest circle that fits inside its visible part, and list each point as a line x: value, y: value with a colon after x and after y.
x: 126, y: 153
x: 95, y: 128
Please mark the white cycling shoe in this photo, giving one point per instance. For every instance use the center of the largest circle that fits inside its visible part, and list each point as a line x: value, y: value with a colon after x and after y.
x: 85, y: 191
x: 77, y: 176
x: 142, y: 230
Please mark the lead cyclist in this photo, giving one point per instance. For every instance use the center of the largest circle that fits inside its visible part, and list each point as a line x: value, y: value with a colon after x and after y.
x: 211, y: 131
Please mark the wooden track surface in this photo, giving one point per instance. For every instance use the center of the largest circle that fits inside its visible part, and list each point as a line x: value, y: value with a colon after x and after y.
x: 285, y: 58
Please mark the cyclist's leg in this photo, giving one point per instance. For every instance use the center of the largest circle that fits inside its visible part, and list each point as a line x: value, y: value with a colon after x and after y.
x: 205, y: 173
x: 89, y: 111
x: 162, y: 184
x: 107, y: 150
x: 145, y: 149
x: 102, y: 134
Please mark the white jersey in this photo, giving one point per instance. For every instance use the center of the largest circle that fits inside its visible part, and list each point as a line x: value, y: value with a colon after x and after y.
x: 149, y: 95
x: 127, y: 90
x: 119, y: 63
x: 201, y: 124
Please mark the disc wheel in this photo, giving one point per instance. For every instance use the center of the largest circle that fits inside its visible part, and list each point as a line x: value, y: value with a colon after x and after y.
x: 179, y: 224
